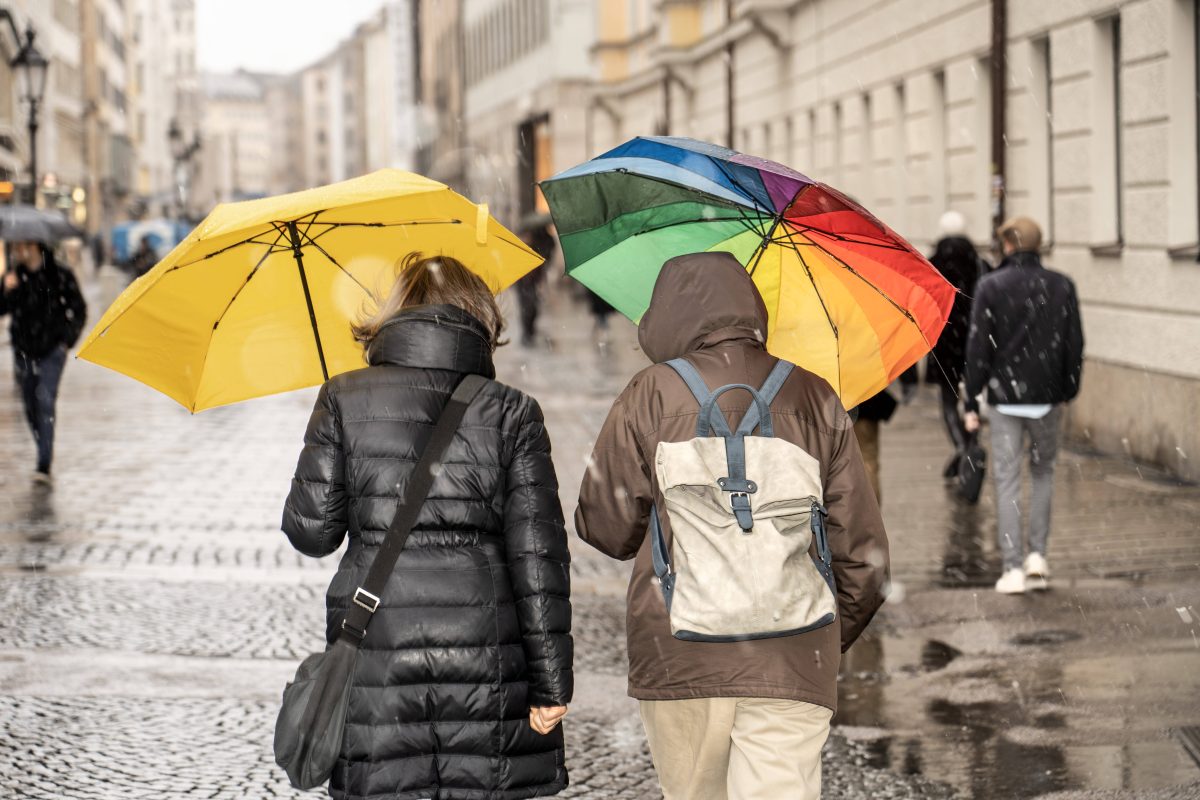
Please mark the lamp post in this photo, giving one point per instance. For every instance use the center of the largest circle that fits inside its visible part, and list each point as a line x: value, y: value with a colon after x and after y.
x: 182, y: 153
x: 32, y: 66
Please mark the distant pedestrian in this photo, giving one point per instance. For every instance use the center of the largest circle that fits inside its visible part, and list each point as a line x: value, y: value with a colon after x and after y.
x: 144, y: 258
x: 465, y: 670
x: 97, y: 247
x: 748, y: 718
x: 959, y: 262
x: 1026, y: 348
x: 601, y: 310
x: 869, y: 417
x: 542, y: 241
x: 47, y: 313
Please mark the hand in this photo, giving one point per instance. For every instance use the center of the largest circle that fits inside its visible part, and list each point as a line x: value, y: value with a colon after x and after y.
x: 971, y: 421
x: 10, y: 280
x: 544, y: 720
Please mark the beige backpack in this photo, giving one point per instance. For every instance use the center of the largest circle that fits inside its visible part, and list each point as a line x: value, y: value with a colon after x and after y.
x: 744, y: 511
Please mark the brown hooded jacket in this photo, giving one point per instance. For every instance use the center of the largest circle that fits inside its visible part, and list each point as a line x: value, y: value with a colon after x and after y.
x: 705, y: 307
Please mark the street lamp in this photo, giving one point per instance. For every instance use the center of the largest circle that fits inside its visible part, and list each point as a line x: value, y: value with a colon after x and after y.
x: 32, y: 66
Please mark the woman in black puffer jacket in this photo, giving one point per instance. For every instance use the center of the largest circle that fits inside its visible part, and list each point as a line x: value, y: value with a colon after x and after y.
x: 465, y: 670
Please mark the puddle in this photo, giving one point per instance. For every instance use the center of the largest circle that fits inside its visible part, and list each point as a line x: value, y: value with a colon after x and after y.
x: 1022, y: 726
x: 936, y: 655
x: 1046, y: 637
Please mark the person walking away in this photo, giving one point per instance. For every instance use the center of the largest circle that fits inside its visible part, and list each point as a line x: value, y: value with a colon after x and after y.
x: 466, y: 668
x: 1025, y: 347
x: 529, y: 286
x: 97, y: 247
x: 47, y: 313
x: 869, y: 416
x: 747, y: 718
x: 144, y: 258
x: 957, y: 259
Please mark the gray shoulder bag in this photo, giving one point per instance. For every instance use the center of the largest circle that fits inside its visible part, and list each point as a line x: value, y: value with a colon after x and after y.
x: 308, y: 732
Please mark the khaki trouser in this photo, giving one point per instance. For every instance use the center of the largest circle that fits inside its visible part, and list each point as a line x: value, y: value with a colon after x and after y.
x: 736, y: 748
x: 867, y: 433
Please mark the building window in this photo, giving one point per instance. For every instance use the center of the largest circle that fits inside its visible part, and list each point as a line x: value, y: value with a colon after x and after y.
x: 1041, y: 139
x: 982, y: 186
x: 835, y: 150
x: 1183, y: 208
x: 1107, y: 222
x: 809, y: 163
x: 899, y: 159
x: 866, y: 176
x: 939, y: 123
x: 786, y: 150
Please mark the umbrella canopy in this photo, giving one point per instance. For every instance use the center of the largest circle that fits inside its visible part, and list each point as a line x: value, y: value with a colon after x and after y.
x: 24, y: 223
x: 259, y: 298
x: 848, y: 298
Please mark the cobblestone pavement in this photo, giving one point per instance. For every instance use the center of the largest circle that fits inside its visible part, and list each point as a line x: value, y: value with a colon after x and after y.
x: 153, y: 608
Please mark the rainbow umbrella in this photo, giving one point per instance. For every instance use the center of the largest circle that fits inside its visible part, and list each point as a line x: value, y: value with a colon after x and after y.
x: 849, y: 299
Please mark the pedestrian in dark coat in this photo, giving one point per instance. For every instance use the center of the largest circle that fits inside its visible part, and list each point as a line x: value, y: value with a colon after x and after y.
x: 957, y: 259
x: 465, y: 670
x: 529, y: 287
x: 738, y: 719
x: 48, y: 313
x: 1026, y: 348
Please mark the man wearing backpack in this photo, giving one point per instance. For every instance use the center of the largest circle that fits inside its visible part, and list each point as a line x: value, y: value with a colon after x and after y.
x: 1025, y: 346
x: 732, y: 715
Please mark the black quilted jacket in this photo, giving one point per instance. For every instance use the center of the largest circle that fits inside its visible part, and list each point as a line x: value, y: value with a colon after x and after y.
x: 474, y: 626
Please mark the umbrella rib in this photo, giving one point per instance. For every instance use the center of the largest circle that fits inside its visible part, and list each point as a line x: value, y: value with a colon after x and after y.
x: 712, y: 198
x: 332, y: 226
x: 757, y: 206
x: 213, y: 332
x: 251, y: 240
x: 904, y: 311
x: 837, y: 339
x: 842, y: 238
x: 334, y: 261
x: 245, y: 283
x: 656, y: 228
x: 769, y: 236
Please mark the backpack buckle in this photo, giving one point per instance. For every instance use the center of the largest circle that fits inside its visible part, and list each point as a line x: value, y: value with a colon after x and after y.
x: 740, y: 503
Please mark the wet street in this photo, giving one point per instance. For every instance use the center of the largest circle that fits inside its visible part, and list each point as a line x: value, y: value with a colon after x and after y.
x: 154, y: 611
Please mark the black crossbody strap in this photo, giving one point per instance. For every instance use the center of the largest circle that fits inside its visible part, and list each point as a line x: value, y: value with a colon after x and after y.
x: 366, y: 598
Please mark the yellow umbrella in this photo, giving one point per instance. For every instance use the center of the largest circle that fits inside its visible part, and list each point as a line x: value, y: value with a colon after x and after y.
x: 258, y: 299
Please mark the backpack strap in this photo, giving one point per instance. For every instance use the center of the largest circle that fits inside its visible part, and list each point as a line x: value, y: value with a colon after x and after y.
x: 691, y: 376
x: 770, y: 388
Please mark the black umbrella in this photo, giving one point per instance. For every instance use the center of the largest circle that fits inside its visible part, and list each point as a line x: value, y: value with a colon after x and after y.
x: 24, y: 223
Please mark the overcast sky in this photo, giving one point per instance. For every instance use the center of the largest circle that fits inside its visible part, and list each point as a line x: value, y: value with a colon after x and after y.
x: 273, y: 35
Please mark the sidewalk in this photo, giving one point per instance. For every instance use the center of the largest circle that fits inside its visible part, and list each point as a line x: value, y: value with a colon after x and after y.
x: 154, y: 607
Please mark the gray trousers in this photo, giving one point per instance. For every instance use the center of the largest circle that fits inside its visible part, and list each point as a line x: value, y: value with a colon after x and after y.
x: 1008, y: 447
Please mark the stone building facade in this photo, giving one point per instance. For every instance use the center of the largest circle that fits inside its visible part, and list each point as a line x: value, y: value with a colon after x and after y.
x: 892, y: 102
x: 61, y: 142
x: 166, y: 83
x: 528, y: 72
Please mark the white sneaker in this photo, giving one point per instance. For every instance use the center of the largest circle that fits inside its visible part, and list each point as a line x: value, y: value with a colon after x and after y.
x: 1011, y: 582
x: 1037, y: 572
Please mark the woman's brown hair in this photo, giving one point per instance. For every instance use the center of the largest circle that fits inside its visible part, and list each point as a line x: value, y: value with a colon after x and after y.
x: 436, y: 280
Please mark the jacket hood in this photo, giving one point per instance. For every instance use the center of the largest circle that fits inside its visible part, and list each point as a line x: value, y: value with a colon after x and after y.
x: 434, y: 337
x: 701, y: 300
